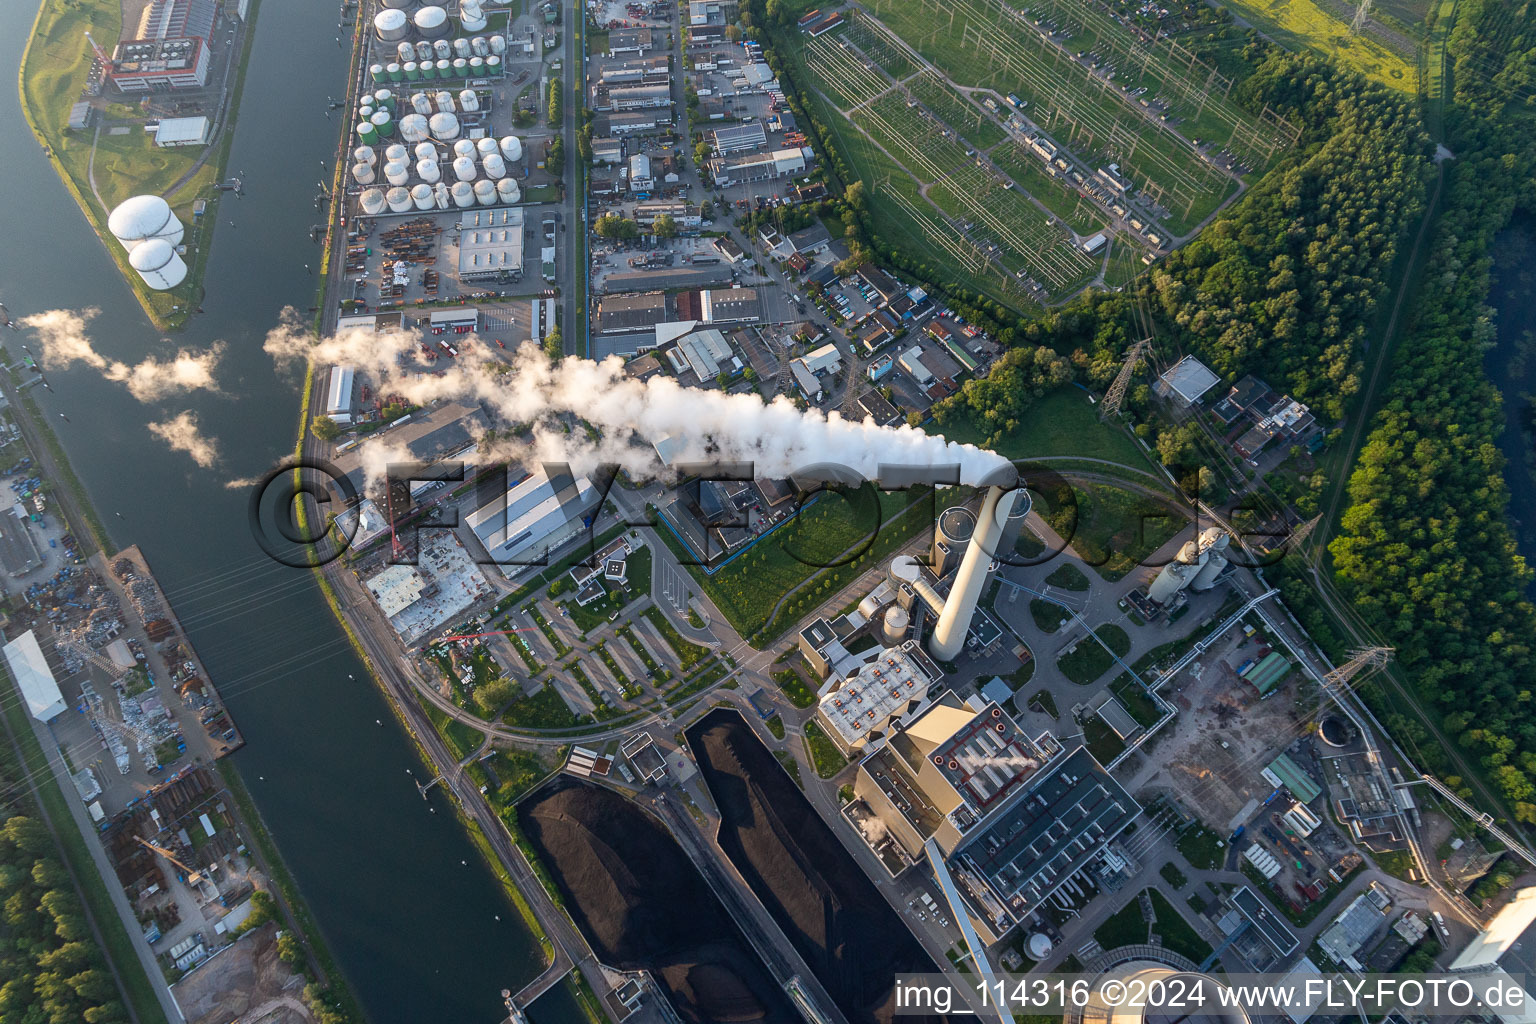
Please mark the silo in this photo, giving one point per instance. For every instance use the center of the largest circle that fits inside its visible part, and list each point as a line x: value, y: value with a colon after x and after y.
x: 499, y: 45
x: 427, y: 170
x: 1174, y: 577
x: 950, y: 536
x: 463, y: 194
x: 142, y: 218
x: 157, y: 263
x: 411, y: 70
x: 366, y: 133
x: 464, y: 147
x: 897, y: 622
x: 495, y: 166
x: 365, y: 155
x: 442, y: 49
x: 486, y: 146
x: 445, y: 68
x: 432, y: 22
x: 904, y: 573
x: 464, y: 168
x: 383, y: 99
x: 460, y: 67
x: 421, y: 104
x: 476, y: 67
x: 461, y: 48
x: 425, y: 151
x: 493, y: 65
x: 372, y: 202
x: 445, y: 127
x: 365, y: 111
x: 471, y: 17
x: 405, y: 52
x: 507, y: 190
x: 421, y: 195
x: 479, y: 47
x: 396, y: 154
x: 1215, y: 559
x: 413, y: 128
x: 444, y: 100
x: 485, y: 192
x: 391, y: 25
x: 383, y: 123
x: 428, y: 70
x: 392, y: 71
x: 376, y: 73
x: 468, y: 101
x: 440, y: 196
x: 399, y: 200
x: 362, y: 173
x: 512, y: 149
x: 396, y: 174
x: 424, y: 52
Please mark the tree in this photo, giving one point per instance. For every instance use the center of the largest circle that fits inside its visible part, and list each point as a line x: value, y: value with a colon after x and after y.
x: 554, y: 345
x: 325, y: 428
x: 664, y: 226
x: 556, y: 102
x: 733, y: 33
x: 494, y: 695
x: 701, y: 153
x: 290, y: 950
x: 554, y: 157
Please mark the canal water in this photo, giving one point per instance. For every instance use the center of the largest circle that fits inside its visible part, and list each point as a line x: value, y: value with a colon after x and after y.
x: 405, y: 901
x: 1511, y: 364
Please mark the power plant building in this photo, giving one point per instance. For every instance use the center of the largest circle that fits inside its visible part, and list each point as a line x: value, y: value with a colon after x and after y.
x: 534, y: 517
x: 859, y: 707
x: 167, y: 49
x: 30, y: 669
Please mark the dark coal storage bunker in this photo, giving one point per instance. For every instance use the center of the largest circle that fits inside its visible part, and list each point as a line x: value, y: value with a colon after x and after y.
x: 837, y: 920
x: 642, y: 905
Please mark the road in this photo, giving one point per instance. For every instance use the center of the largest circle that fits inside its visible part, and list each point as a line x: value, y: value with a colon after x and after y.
x: 573, y: 233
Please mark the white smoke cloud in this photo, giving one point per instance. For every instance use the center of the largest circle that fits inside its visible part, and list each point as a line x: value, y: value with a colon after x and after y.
x: 629, y: 415
x: 241, y: 483
x: 183, y: 434
x: 64, y: 341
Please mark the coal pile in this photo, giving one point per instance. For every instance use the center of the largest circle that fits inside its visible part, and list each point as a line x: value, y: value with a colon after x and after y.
x: 642, y: 905
x: 839, y: 923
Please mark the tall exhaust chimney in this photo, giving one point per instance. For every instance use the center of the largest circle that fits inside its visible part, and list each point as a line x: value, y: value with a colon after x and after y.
x: 971, y: 578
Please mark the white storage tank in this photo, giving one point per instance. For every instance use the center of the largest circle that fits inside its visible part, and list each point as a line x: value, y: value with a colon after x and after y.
x: 442, y: 49
x: 444, y: 100
x: 396, y: 154
x: 421, y: 195
x: 493, y: 65
x: 421, y: 104
x: 476, y: 67
x: 485, y: 192
x: 512, y: 149
x: 396, y: 173
x: 425, y: 151
x: 507, y: 190
x: 498, y: 45
x: 372, y: 202
x: 427, y: 170
x: 495, y: 166
x: 391, y: 25
x: 445, y: 127
x: 464, y: 168
x: 424, y: 52
x: 362, y: 172
x: 444, y: 68
x: 479, y: 47
x: 471, y: 17
x: 440, y: 196
x: 897, y: 622
x: 468, y: 101
x: 464, y: 148
x: 413, y: 128
x: 365, y: 112
x: 460, y: 67
x: 405, y: 52
x: 431, y: 21
x: 399, y: 200
x: 383, y: 123
x: 397, y: 3
x: 487, y: 146
x: 157, y: 263
x: 365, y: 155
x: 463, y: 194
x: 142, y: 218
x: 461, y: 48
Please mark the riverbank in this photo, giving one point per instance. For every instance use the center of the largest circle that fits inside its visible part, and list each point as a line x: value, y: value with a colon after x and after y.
x: 51, y: 79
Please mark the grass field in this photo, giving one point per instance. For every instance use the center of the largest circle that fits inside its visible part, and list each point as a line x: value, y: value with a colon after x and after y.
x: 825, y: 757
x: 1116, y: 530
x: 1306, y: 25
x: 1090, y: 660
x: 1063, y: 423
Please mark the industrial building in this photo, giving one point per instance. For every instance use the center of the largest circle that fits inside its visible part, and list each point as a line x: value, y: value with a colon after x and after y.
x: 396, y: 589
x: 172, y: 132
x: 618, y: 314
x: 1196, y: 567
x: 19, y: 553
x: 491, y: 244
x: 33, y: 676
x: 735, y: 169
x: 338, y: 394
x: 883, y: 688
x: 534, y: 517
x: 1186, y: 381
x: 739, y: 138
x: 702, y: 352
x: 445, y: 432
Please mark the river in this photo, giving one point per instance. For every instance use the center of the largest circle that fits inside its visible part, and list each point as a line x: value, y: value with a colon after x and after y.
x: 405, y: 901
x: 1511, y: 364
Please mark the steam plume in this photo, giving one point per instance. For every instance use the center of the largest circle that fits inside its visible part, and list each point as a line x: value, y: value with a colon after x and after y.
x: 64, y: 342
x: 629, y: 415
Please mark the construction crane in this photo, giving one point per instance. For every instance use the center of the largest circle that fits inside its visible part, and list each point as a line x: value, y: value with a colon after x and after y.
x: 194, y: 877
x: 1117, y: 390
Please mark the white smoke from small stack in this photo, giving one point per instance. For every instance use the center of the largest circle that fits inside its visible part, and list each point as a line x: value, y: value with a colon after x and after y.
x: 1015, y: 761
x: 629, y: 415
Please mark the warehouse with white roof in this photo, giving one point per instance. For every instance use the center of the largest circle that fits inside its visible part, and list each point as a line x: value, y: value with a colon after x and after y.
x: 30, y: 669
x: 536, y: 516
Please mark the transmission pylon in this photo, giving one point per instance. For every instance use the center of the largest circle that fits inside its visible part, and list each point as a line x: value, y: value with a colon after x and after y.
x: 1304, y: 531
x: 1362, y: 14
x: 1360, y: 659
x: 1116, y: 395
